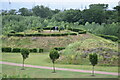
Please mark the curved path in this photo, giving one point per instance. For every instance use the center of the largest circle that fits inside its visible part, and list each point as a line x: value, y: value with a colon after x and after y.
x: 63, y: 69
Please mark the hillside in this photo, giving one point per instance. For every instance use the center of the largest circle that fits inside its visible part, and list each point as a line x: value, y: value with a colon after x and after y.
x: 77, y: 47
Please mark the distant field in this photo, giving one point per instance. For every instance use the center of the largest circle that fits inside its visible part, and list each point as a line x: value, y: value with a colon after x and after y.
x: 42, y: 59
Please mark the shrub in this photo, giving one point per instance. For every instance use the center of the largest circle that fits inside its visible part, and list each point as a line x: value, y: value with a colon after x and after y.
x: 6, y: 49
x: 40, y: 50
x: 33, y: 50
x: 113, y: 38
x: 59, y: 48
x: 16, y: 50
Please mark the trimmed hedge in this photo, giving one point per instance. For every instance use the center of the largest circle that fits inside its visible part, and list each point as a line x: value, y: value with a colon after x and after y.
x: 34, y: 50
x: 16, y: 34
x: 9, y: 49
x: 6, y: 49
x: 113, y: 38
x: 59, y: 48
x: 40, y: 50
x: 82, y: 32
x: 16, y: 49
x: 75, y: 29
x: 40, y: 34
x: 47, y: 28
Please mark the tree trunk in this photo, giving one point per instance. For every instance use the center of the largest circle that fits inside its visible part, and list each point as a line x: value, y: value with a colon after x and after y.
x: 53, y: 67
x: 93, y: 71
x: 23, y: 64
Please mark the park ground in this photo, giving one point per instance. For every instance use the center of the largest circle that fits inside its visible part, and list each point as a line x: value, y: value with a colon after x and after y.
x: 42, y: 59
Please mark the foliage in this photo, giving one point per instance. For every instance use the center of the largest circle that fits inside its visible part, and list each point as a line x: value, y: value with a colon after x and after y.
x: 40, y: 50
x: 53, y: 55
x: 42, y: 34
x: 34, y: 50
x: 6, y: 49
x: 25, y: 53
x: 93, y: 58
x: 59, y: 48
x: 16, y: 49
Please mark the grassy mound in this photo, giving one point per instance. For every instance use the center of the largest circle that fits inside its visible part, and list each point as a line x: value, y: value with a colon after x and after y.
x: 77, y: 52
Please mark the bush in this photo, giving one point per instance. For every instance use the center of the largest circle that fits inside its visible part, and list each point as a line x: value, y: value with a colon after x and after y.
x: 59, y: 48
x: 82, y: 32
x: 113, y: 38
x: 16, y: 50
x: 40, y: 50
x: 6, y: 49
x: 33, y: 50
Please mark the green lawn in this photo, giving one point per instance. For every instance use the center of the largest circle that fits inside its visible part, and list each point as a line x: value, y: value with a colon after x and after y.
x: 16, y: 72
x: 42, y: 59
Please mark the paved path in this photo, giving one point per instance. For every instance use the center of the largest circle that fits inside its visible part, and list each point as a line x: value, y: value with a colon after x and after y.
x: 63, y: 69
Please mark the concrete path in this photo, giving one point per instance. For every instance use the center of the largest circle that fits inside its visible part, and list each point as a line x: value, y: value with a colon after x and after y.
x: 63, y: 69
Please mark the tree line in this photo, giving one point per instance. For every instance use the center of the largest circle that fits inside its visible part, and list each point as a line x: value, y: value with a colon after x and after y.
x: 97, y: 13
x: 97, y: 19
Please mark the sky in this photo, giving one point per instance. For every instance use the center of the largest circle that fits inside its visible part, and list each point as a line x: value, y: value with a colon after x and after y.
x: 54, y: 4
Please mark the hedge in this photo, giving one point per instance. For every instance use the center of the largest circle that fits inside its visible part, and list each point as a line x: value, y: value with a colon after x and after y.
x: 47, y: 28
x: 59, y: 48
x: 113, y: 38
x: 6, y: 49
x: 16, y: 34
x: 16, y: 49
x: 82, y: 32
x: 40, y: 34
x: 40, y: 50
x: 34, y: 50
x: 75, y: 29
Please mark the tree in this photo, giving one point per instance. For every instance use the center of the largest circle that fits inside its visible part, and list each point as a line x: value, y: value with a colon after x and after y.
x: 94, y: 60
x: 12, y: 12
x: 25, y: 54
x: 53, y: 56
x: 41, y: 11
x: 68, y: 15
x: 117, y: 8
x: 25, y: 12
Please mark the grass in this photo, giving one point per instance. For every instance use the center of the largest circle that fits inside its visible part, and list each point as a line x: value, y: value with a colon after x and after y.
x: 44, y: 73
x: 42, y: 59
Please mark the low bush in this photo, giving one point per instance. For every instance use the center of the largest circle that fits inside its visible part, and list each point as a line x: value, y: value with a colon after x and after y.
x: 40, y: 50
x: 113, y: 38
x: 59, y: 48
x: 16, y: 49
x: 34, y: 50
x: 16, y: 34
x: 6, y: 49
